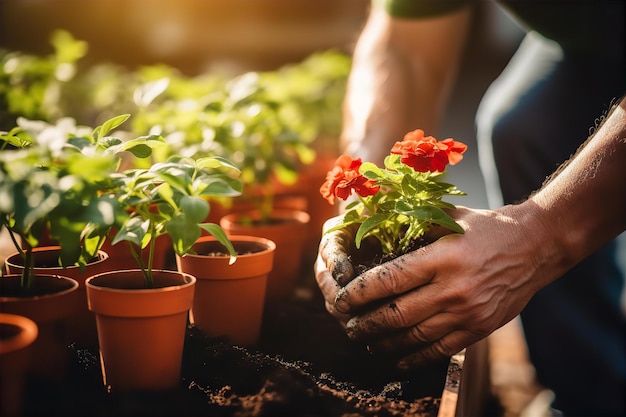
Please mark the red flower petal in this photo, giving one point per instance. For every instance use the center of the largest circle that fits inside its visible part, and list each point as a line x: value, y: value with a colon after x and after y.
x: 426, y: 154
x: 345, y: 177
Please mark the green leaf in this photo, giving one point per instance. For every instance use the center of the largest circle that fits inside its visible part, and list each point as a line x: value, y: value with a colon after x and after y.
x: 166, y: 193
x: 351, y: 217
x: 403, y: 207
x: 109, y: 141
x: 91, y: 169
x: 371, y: 171
x: 177, y: 179
x: 183, y: 233
x: 142, y: 146
x: 217, y: 232
x: 217, y: 185
x: 352, y: 205
x: 409, y: 186
x: 134, y: 231
x: 216, y: 162
x: 16, y: 137
x: 369, y: 224
x: 109, y: 125
x: 434, y: 215
x: 195, y: 209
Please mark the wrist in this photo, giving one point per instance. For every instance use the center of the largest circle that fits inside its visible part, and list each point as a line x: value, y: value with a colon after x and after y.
x: 546, y: 242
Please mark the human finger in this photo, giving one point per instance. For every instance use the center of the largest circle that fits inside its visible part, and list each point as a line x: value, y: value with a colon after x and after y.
x: 444, y: 347
x: 389, y: 279
x: 374, y: 329
x: 334, y: 250
x: 329, y: 288
x: 423, y: 334
x: 394, y: 314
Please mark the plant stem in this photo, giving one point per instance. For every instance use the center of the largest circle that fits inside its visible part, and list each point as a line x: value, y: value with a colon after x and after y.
x: 150, y: 281
x: 16, y: 243
x: 26, y: 280
x: 27, y: 275
x: 137, y: 256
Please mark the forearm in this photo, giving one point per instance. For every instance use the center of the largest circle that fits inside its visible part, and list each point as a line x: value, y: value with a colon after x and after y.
x: 584, y: 206
x: 403, y: 71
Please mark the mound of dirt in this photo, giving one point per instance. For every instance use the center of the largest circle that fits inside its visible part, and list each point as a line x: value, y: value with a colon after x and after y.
x: 304, y: 365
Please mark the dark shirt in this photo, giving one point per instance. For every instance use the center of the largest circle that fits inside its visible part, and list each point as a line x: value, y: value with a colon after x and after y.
x: 590, y: 27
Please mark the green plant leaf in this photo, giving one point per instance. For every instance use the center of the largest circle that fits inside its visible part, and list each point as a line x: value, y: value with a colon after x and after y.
x: 177, y: 179
x: 216, y: 162
x: 109, y: 125
x: 216, y: 231
x: 183, y: 233
x: 195, y: 209
x: 16, y: 137
x: 166, y: 192
x: 71, y: 250
x: 434, y: 215
x: 142, y: 146
x: 110, y: 142
x: 369, y: 224
x: 134, y: 231
x: 371, y: 171
x: 220, y: 187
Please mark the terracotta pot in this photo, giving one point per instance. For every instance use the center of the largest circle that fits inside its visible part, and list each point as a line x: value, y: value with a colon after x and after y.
x: 249, y: 203
x: 229, y: 299
x: 304, y: 195
x: 288, y: 229
x: 49, y: 304
x: 141, y: 330
x: 17, y: 334
x: 46, y: 262
x: 81, y: 327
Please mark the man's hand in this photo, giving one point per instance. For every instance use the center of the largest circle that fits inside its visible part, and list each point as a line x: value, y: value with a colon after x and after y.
x: 435, y: 301
x: 333, y: 267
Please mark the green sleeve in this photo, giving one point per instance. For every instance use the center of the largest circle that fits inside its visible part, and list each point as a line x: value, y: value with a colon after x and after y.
x: 419, y: 8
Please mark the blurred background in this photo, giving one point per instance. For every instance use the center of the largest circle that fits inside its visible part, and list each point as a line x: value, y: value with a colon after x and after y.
x: 194, y: 36
x: 236, y: 36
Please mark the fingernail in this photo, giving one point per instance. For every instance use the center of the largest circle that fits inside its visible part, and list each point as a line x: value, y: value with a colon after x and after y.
x: 352, y: 329
x: 340, y: 304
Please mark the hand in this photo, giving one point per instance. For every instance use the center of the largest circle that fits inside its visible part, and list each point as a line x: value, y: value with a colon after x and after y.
x: 333, y: 267
x: 433, y: 302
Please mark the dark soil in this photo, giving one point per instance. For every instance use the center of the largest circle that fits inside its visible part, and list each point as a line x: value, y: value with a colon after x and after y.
x: 304, y: 365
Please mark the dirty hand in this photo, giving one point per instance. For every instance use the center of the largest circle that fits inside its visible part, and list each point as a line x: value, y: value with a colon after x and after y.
x: 333, y: 268
x: 433, y: 302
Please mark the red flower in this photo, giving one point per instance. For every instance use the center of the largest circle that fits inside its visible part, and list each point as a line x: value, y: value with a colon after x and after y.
x: 426, y: 154
x: 345, y: 177
x: 455, y: 150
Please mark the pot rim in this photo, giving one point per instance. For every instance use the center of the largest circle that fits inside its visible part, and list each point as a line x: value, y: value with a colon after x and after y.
x: 101, y: 257
x: 270, y: 245
x: 190, y: 280
x: 75, y: 285
x: 21, y: 339
x: 278, y: 213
